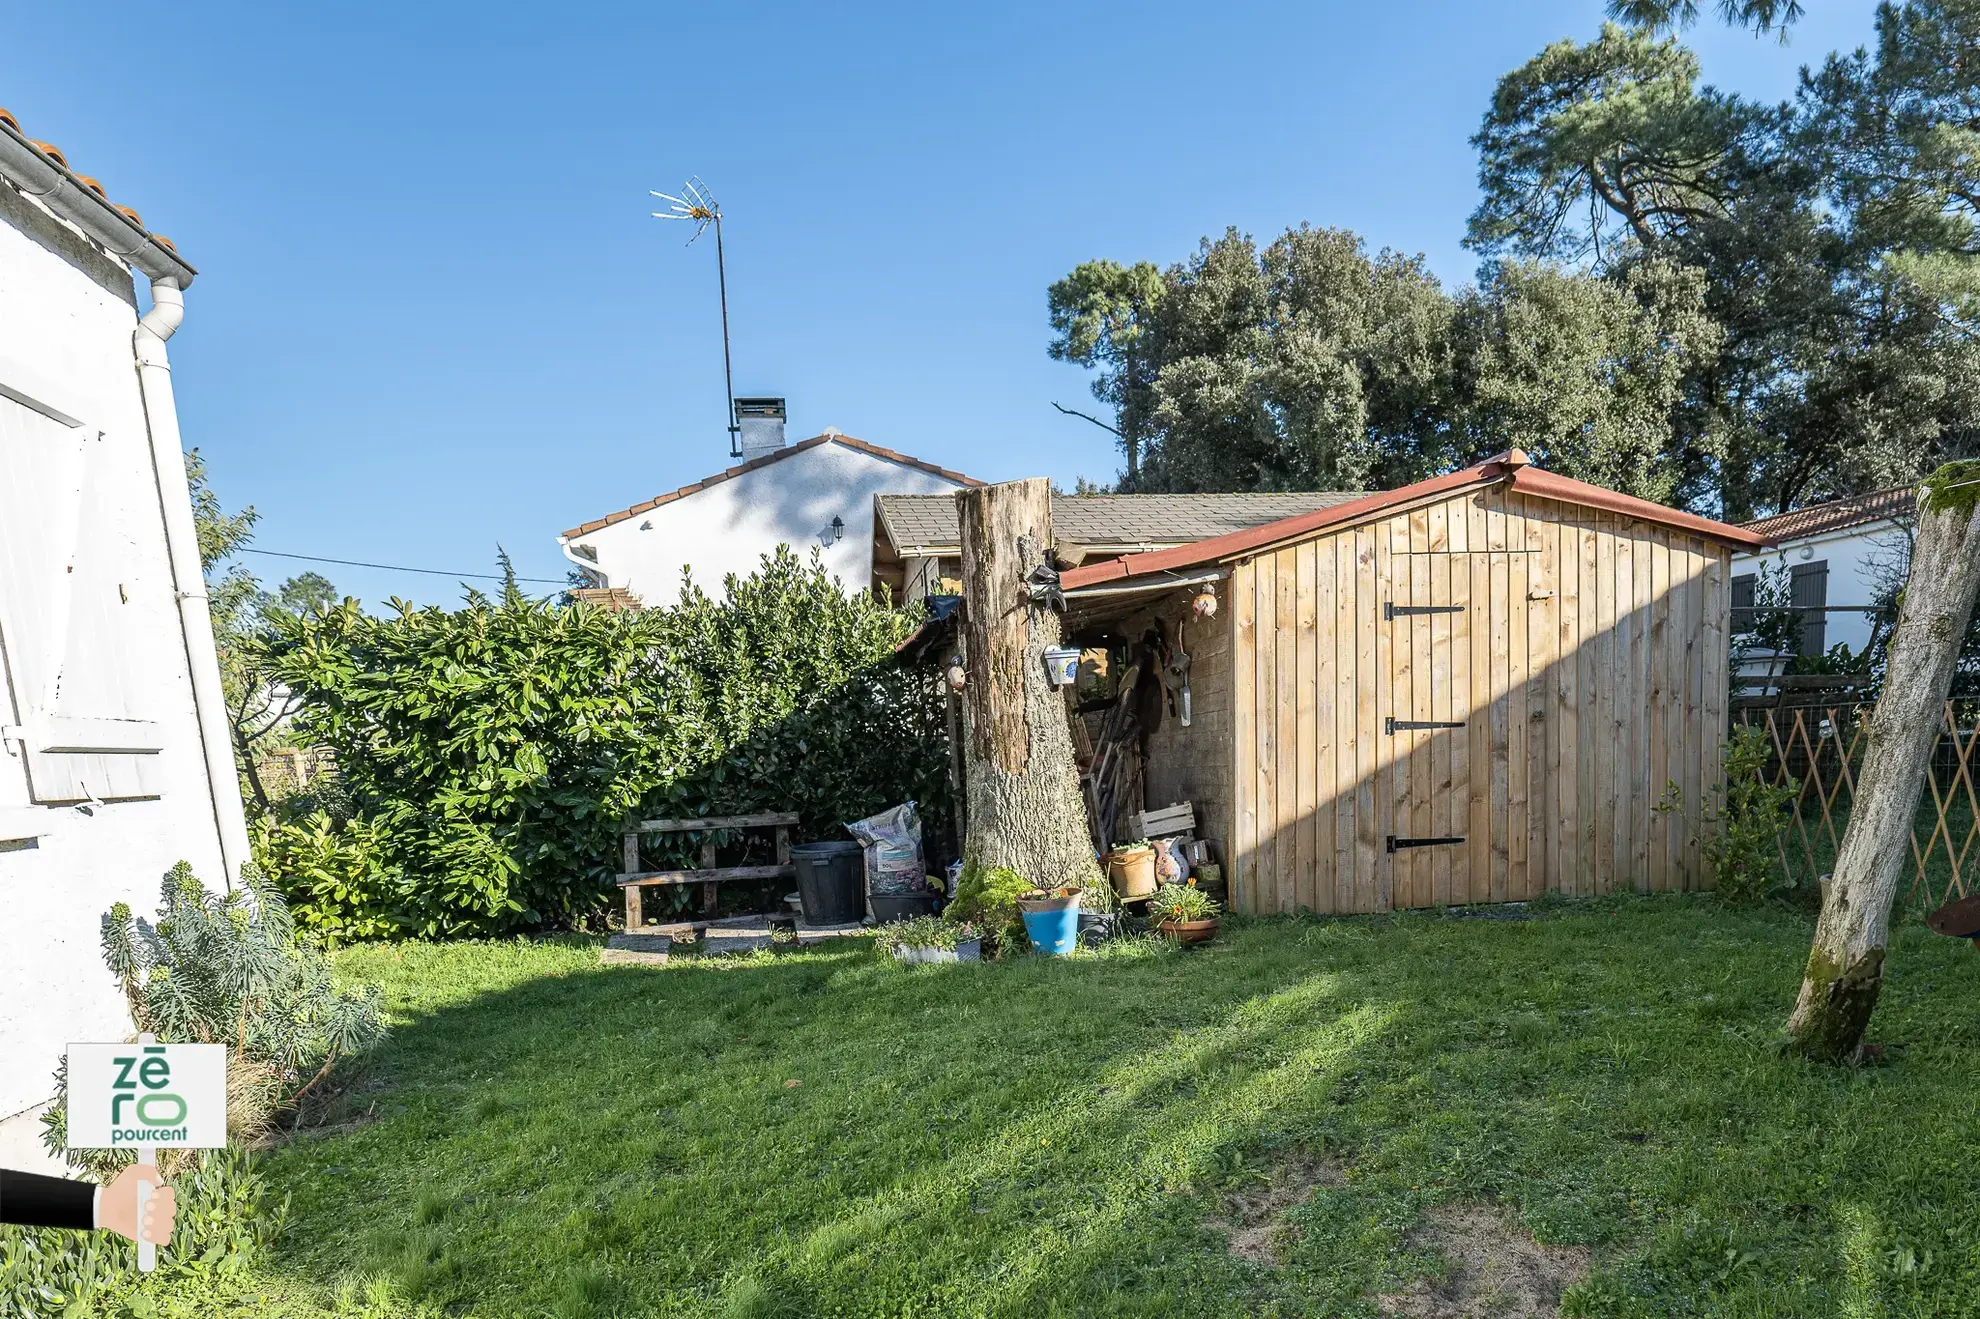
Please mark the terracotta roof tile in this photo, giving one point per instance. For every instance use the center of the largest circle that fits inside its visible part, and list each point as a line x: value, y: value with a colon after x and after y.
x: 1895, y: 504
x: 56, y: 154
x: 756, y: 464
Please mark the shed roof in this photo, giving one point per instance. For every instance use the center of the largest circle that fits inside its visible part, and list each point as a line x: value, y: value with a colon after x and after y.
x: 926, y: 524
x: 1514, y: 469
x: 757, y: 464
x: 1897, y: 503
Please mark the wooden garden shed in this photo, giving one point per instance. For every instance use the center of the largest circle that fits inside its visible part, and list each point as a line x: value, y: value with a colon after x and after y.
x: 1478, y: 688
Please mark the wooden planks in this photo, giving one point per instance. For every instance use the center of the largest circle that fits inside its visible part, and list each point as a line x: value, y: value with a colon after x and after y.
x: 765, y: 820
x: 1244, y: 732
x: 707, y: 874
x: 1585, y: 671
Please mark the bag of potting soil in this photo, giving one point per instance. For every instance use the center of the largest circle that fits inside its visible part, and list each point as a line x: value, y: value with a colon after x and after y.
x: 893, y: 850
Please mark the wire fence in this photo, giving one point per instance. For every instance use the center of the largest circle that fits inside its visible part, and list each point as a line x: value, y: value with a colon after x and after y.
x: 1818, y: 750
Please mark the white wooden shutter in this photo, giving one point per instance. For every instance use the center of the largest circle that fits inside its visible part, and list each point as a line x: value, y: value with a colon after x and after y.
x: 72, y: 643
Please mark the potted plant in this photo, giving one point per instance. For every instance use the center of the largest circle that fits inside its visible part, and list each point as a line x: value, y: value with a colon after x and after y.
x: 1051, y: 919
x: 930, y: 939
x: 1184, y: 913
x: 1131, y: 867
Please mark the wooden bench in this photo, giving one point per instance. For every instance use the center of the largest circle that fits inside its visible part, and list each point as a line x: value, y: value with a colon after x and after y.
x: 632, y: 879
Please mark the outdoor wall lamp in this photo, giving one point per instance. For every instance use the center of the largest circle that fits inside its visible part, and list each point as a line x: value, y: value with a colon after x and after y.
x: 833, y: 534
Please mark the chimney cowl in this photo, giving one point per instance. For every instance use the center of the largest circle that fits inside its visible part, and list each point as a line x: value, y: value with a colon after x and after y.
x: 760, y: 422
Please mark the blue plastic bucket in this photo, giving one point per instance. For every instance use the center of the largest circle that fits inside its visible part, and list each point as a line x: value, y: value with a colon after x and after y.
x: 1052, y: 925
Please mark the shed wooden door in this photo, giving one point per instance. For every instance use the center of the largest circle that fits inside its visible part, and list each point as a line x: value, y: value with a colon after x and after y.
x: 1454, y: 704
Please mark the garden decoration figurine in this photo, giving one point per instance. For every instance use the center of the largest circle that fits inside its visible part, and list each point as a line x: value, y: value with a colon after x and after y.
x: 1043, y: 591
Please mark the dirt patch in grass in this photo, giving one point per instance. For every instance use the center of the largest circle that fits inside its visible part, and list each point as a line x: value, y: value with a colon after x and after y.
x: 1251, y: 1218
x: 1496, y: 1268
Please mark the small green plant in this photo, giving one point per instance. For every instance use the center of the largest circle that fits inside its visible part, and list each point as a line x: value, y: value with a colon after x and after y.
x: 1744, y: 853
x: 1182, y: 903
x: 925, y: 932
x: 987, y: 897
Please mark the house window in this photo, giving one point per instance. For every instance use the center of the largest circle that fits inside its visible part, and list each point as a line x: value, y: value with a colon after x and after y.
x: 1808, y: 591
x: 1743, y: 620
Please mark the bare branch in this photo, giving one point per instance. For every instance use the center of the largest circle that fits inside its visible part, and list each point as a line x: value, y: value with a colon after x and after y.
x: 1074, y: 412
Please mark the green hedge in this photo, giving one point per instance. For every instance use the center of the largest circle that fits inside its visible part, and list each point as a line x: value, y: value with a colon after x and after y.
x: 489, y: 754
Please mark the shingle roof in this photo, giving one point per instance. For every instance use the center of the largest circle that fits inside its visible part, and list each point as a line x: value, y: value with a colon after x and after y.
x: 756, y: 464
x: 1897, y: 503
x: 926, y: 524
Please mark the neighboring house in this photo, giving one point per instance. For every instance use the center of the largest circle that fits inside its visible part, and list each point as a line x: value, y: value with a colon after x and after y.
x: 1839, y: 558
x: 916, y: 547
x: 816, y: 494
x: 1482, y: 687
x: 115, y: 761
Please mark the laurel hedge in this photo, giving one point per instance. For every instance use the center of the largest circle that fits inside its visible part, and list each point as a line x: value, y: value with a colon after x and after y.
x: 488, y: 755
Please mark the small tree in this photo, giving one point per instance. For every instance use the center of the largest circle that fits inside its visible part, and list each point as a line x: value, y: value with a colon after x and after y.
x: 1846, y: 965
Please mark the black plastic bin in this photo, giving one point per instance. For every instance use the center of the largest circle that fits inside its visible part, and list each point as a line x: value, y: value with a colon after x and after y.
x: 829, y: 878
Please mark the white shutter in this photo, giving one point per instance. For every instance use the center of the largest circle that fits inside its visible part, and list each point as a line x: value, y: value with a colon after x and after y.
x: 67, y: 554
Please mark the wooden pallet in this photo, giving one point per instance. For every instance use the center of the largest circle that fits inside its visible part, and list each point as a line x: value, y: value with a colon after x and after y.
x: 709, y: 875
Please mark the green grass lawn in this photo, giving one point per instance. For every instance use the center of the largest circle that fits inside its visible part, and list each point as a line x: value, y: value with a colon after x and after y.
x: 825, y: 1134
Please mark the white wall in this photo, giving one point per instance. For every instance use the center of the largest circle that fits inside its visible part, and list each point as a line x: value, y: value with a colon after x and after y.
x: 1855, y: 556
x: 66, y: 318
x: 728, y: 527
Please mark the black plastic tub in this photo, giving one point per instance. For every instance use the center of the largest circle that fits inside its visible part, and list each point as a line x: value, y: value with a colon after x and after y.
x: 890, y: 907
x: 829, y: 878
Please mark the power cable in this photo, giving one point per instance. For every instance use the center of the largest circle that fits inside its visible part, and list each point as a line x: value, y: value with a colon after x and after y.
x: 400, y: 567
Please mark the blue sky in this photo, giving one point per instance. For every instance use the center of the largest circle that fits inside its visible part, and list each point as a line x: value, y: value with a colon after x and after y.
x: 433, y: 314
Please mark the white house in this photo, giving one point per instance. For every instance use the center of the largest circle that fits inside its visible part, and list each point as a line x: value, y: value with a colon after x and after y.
x: 115, y: 761
x: 1839, y: 558
x: 817, y: 493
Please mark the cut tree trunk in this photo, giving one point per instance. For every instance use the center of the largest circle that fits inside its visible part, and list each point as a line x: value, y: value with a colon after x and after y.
x: 1846, y: 964
x: 1024, y: 807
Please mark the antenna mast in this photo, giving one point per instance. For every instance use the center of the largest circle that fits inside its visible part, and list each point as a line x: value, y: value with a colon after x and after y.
x: 697, y: 203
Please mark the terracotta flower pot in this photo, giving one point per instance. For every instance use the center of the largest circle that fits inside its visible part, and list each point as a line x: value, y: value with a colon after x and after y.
x: 1187, y: 932
x: 1131, y: 870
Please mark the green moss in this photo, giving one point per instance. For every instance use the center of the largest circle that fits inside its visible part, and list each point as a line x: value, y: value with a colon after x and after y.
x: 1841, y: 1000
x: 1954, y: 488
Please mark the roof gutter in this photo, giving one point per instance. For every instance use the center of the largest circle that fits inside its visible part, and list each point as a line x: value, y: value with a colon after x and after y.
x: 40, y: 175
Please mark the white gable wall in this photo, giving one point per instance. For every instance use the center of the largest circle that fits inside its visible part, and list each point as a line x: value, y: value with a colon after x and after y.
x: 67, y: 315
x: 728, y: 527
x: 1856, y: 556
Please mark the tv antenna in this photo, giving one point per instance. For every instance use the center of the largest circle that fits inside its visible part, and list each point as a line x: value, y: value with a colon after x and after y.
x: 698, y: 204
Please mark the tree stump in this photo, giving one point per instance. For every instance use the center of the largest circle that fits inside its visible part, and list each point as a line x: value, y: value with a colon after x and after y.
x: 1025, y: 810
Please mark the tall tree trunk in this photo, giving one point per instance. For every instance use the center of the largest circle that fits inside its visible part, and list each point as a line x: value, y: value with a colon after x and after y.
x: 1846, y: 965
x: 1024, y: 806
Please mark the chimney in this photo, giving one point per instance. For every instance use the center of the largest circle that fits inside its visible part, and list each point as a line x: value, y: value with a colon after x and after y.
x: 761, y: 421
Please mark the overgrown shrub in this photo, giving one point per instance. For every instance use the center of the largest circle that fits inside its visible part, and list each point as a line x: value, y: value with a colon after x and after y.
x: 1744, y: 849
x: 489, y: 754
x: 209, y: 970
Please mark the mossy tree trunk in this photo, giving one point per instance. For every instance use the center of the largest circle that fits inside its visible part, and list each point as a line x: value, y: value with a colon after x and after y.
x: 1024, y: 805
x: 1846, y: 965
